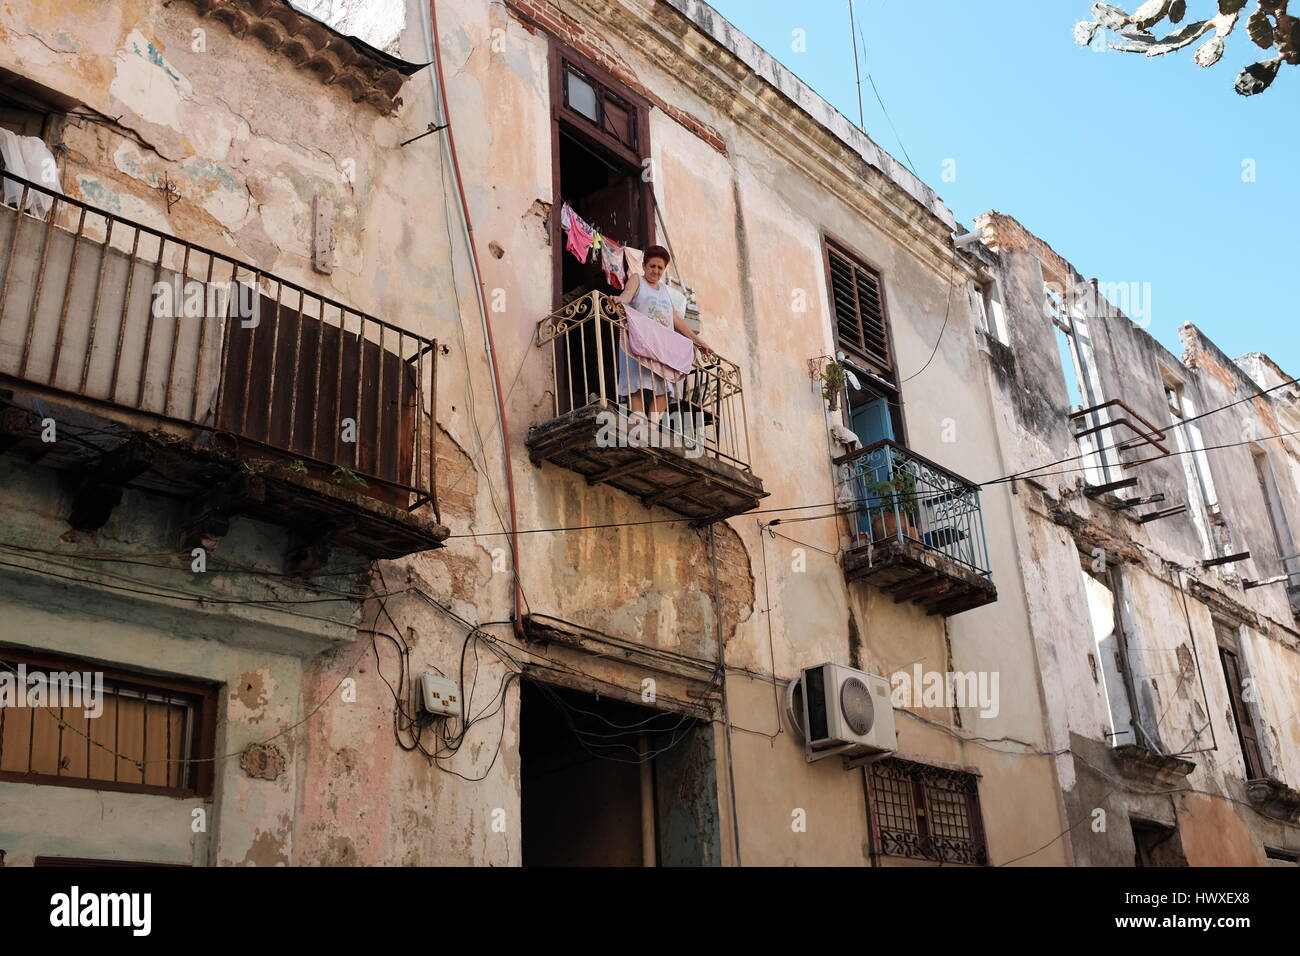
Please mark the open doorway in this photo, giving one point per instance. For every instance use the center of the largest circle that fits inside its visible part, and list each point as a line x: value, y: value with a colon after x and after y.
x: 601, y: 156
x: 606, y: 783
x: 1155, y: 844
x: 601, y: 136
x: 604, y: 189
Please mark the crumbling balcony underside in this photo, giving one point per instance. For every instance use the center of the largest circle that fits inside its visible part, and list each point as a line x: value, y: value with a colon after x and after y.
x: 697, y: 486
x: 907, y: 570
x: 132, y: 358
x: 215, y: 484
x: 693, y: 459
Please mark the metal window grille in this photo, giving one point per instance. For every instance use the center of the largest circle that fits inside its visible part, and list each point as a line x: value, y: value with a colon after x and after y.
x: 926, y: 813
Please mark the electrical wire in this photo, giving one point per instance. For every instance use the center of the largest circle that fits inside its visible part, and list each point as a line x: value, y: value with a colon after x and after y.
x: 876, y: 91
x: 1030, y: 472
x: 952, y: 272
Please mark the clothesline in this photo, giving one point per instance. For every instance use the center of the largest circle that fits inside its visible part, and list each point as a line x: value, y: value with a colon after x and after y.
x: 617, y: 259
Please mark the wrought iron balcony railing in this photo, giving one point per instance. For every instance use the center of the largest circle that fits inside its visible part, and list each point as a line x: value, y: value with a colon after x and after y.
x: 708, y: 413
x: 157, y: 331
x: 895, y: 495
x: 690, y: 455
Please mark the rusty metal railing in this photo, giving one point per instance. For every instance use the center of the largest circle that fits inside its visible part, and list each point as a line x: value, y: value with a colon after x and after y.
x: 130, y: 319
x: 703, y: 413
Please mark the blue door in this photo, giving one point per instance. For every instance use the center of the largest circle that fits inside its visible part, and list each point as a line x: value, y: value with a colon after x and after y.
x: 871, y: 423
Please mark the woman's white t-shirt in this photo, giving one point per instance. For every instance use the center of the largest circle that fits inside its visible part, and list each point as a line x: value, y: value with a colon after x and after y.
x: 656, y: 303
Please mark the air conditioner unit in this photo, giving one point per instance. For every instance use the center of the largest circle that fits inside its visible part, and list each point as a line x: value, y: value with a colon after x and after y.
x: 846, y: 712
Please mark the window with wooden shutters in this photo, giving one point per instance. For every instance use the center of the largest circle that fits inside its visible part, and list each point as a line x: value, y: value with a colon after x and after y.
x: 1232, y: 675
x: 145, y: 735
x: 858, y: 303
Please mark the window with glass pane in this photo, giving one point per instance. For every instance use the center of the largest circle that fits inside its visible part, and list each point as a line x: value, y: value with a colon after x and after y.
x: 582, y: 96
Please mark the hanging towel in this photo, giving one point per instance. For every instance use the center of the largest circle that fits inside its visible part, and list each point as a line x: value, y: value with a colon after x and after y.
x: 648, y: 341
x: 11, y: 151
x: 30, y: 158
x: 635, y: 261
x: 611, y: 260
x: 43, y: 170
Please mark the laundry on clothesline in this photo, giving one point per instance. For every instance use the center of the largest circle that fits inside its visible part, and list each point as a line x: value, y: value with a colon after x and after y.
x: 611, y: 261
x: 29, y: 158
x: 581, y: 234
x: 635, y: 261
x: 618, y: 261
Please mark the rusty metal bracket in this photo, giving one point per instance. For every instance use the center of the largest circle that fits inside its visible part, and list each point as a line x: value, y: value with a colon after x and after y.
x: 1152, y: 436
x: 1156, y: 515
x: 1226, y: 559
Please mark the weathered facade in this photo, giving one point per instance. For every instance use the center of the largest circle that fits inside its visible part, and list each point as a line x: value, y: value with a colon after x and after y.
x: 622, y: 622
x: 1156, y: 552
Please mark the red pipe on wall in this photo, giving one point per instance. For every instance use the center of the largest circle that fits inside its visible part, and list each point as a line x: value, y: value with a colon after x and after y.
x: 517, y: 616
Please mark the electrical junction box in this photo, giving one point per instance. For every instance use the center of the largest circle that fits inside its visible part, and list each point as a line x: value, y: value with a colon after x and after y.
x: 439, y: 695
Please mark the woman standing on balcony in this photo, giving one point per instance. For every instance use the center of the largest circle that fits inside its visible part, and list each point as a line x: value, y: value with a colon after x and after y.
x: 649, y: 295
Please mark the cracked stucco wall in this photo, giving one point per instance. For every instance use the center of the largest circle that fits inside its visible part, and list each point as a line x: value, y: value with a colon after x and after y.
x: 250, y: 143
x: 746, y: 223
x: 1173, y: 646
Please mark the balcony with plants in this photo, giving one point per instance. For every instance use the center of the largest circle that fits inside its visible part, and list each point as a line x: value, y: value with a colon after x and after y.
x: 916, y: 530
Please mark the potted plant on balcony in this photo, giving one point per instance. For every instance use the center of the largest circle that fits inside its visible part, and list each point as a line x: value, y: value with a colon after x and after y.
x: 894, y: 515
x: 833, y: 382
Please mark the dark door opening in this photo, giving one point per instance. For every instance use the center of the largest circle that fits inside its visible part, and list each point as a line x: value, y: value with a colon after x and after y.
x: 874, y: 415
x: 606, y: 192
x: 605, y: 783
x: 1155, y: 844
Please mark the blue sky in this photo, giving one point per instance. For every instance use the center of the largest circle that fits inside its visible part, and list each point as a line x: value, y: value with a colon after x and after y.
x: 1130, y: 167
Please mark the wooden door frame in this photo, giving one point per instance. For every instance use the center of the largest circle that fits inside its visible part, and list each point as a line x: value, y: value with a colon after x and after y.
x: 558, y: 53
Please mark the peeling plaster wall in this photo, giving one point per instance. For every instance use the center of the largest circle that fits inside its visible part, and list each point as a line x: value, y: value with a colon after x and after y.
x: 1173, y: 658
x: 251, y: 142
x: 93, y: 609
x: 761, y: 236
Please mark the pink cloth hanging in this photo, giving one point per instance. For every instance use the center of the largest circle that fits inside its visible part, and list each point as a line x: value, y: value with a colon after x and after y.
x: 635, y: 261
x: 581, y: 235
x: 649, y: 342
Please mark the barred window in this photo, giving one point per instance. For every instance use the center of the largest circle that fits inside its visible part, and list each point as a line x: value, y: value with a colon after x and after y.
x: 73, y: 723
x: 925, y: 812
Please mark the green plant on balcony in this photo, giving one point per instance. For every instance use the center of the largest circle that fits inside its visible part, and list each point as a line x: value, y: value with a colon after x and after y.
x: 833, y: 382
x: 894, y: 514
x: 348, y: 479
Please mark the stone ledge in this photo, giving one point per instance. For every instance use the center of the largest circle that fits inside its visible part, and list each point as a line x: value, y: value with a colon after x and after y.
x: 367, y: 74
x: 1274, y: 797
x: 1147, y: 766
